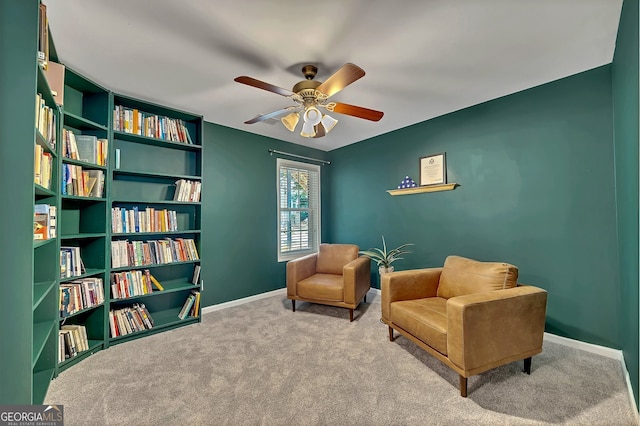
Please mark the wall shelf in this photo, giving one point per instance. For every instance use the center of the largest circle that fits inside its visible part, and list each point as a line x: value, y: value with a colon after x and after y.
x: 420, y: 189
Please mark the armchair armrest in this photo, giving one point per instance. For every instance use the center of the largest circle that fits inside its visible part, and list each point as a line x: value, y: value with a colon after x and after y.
x: 512, y: 320
x: 298, y: 270
x: 357, y: 279
x: 408, y: 285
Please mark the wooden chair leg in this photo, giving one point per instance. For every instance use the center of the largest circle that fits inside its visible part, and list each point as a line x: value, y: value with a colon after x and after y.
x: 463, y: 386
x: 293, y: 304
x: 350, y: 315
x: 391, y: 338
x: 527, y: 365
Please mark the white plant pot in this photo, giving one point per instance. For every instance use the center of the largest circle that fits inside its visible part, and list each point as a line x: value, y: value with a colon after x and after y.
x: 382, y: 270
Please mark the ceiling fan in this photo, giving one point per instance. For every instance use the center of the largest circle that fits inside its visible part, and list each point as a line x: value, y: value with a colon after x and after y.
x: 310, y: 96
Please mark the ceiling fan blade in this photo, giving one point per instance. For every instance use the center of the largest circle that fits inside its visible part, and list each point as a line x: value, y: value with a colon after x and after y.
x: 273, y: 114
x: 340, y: 79
x: 319, y: 131
x: 356, y: 111
x: 250, y: 81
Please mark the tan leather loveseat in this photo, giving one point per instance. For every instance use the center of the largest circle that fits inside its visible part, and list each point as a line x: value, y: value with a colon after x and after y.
x: 470, y: 315
x: 334, y: 276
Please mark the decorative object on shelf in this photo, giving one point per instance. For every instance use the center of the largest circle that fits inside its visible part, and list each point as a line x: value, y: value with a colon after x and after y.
x: 310, y: 95
x: 433, y: 169
x: 421, y: 189
x: 384, y: 258
x: 407, y: 182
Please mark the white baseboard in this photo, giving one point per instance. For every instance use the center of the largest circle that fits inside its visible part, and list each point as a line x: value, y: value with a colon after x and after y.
x: 548, y: 337
x: 244, y: 300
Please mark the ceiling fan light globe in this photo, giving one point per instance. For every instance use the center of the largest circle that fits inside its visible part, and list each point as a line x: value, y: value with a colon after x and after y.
x: 307, y: 130
x: 290, y: 121
x: 312, y: 116
x: 328, y: 123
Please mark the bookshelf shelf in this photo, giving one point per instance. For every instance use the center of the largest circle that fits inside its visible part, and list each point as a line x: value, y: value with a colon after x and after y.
x: 81, y: 123
x: 79, y: 198
x: 41, y: 333
x: 162, y: 320
x: 154, y: 141
x: 84, y: 164
x: 89, y: 273
x: 81, y: 312
x: 40, y: 140
x: 143, y: 234
x: 156, y: 175
x: 41, y: 290
x: 154, y: 265
x: 82, y: 236
x: 158, y: 202
x: 169, y: 287
x: 42, y: 191
x: 41, y: 243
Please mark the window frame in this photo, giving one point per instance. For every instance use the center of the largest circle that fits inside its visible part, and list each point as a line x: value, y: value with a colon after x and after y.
x: 294, y: 254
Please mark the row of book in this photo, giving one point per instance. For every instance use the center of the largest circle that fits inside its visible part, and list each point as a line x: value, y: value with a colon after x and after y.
x: 191, y: 306
x: 71, y: 264
x: 131, y: 120
x: 129, y: 320
x: 133, y: 283
x: 87, y: 148
x: 72, y: 339
x: 153, y: 252
x: 187, y: 190
x: 43, y: 166
x: 81, y: 294
x: 148, y: 220
x: 44, y: 221
x: 46, y: 121
x: 82, y: 183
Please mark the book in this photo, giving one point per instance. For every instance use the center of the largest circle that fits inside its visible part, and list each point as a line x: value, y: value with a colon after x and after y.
x: 156, y: 283
x: 41, y: 222
x: 87, y: 148
x: 186, y: 307
x: 195, y: 279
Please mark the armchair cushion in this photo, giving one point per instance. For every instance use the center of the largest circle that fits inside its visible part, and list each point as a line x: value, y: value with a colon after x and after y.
x: 332, y: 258
x: 322, y: 287
x: 461, y: 276
x: 424, y: 318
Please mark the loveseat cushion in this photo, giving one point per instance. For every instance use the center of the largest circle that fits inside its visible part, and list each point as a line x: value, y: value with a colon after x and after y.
x: 425, y: 319
x: 461, y: 276
x: 322, y: 287
x: 333, y: 257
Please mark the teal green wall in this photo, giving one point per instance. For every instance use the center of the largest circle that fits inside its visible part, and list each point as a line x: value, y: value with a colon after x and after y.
x: 239, y: 213
x: 625, y: 112
x: 536, y: 189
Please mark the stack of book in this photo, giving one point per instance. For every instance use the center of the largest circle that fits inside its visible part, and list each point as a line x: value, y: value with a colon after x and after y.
x: 46, y: 121
x: 187, y: 190
x: 191, y: 306
x: 133, y: 283
x: 131, y: 120
x: 129, y: 320
x: 71, y: 264
x: 43, y: 163
x: 80, y: 294
x: 125, y: 221
x: 72, y: 340
x: 140, y: 253
x: 86, y: 148
x: 82, y: 183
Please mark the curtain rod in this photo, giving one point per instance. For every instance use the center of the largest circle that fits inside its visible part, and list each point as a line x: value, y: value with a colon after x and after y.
x: 273, y: 151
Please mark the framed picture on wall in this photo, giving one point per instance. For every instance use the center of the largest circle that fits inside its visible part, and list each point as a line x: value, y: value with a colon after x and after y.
x: 433, y: 169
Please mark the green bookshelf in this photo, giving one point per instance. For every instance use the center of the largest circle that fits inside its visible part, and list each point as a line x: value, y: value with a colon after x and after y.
x: 145, y: 177
x: 147, y: 164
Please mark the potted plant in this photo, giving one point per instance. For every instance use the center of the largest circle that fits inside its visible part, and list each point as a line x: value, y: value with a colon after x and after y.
x: 384, y: 258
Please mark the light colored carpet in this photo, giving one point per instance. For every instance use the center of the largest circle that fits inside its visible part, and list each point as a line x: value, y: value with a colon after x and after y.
x: 262, y: 364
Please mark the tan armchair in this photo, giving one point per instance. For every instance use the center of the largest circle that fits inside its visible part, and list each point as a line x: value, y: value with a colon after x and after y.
x: 472, y: 316
x: 334, y: 276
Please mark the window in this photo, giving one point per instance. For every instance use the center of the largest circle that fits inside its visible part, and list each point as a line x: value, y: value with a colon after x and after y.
x: 298, y: 209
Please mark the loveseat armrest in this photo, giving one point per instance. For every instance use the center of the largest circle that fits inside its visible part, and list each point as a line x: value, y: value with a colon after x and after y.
x: 298, y: 270
x: 408, y: 285
x: 357, y: 279
x: 485, y: 330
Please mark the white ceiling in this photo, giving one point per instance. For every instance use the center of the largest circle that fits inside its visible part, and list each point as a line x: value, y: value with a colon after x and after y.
x: 423, y: 58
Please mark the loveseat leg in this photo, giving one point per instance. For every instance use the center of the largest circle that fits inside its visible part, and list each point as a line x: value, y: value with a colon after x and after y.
x: 463, y: 386
x: 293, y: 304
x: 391, y: 338
x: 365, y: 298
x: 350, y: 315
x: 527, y: 365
